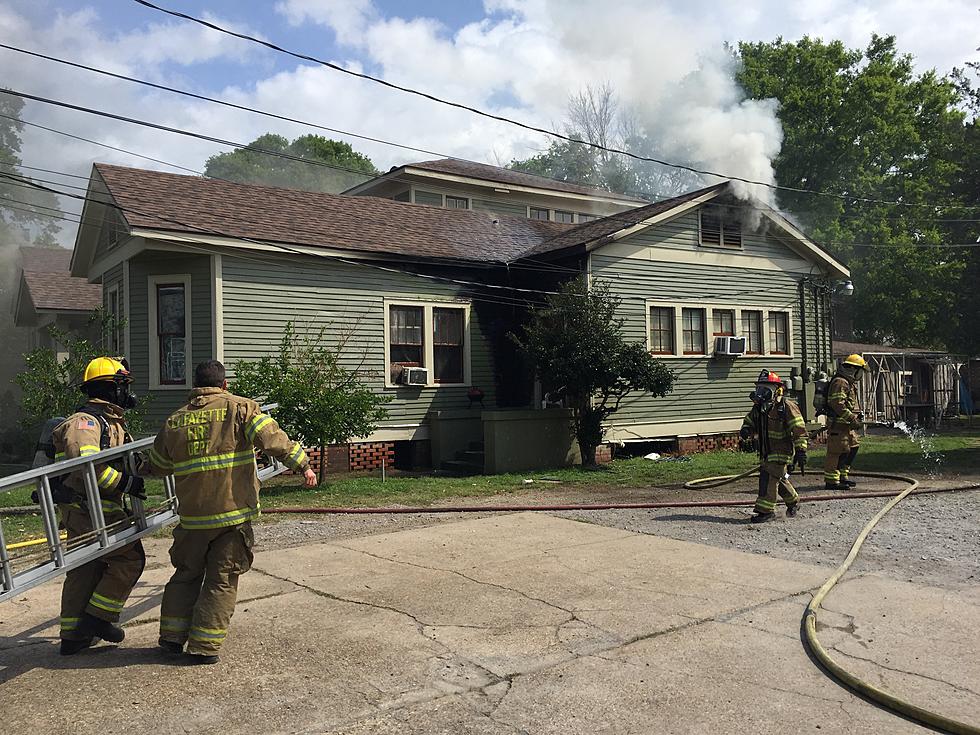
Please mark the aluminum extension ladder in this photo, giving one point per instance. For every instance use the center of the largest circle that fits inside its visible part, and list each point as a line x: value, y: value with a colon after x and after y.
x: 103, y: 538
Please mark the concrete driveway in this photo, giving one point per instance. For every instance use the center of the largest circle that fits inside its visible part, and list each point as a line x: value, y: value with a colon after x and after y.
x: 521, y: 623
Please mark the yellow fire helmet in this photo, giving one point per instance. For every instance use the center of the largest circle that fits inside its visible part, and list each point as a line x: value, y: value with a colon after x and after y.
x: 106, y: 368
x: 856, y: 360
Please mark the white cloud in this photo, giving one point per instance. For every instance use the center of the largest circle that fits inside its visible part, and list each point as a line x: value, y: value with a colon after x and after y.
x: 522, y: 61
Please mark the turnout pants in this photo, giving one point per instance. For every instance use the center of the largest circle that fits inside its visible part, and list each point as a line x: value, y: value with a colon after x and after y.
x: 772, y: 481
x: 199, y: 599
x: 842, y: 448
x: 102, y: 586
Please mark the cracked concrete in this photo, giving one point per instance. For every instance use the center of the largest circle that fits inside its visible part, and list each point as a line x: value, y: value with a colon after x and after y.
x: 524, y: 623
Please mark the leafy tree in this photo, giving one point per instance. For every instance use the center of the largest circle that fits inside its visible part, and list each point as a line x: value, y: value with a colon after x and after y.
x: 253, y: 166
x: 26, y: 212
x: 864, y: 124
x: 52, y: 387
x: 594, y: 115
x: 575, y: 342
x: 321, y: 400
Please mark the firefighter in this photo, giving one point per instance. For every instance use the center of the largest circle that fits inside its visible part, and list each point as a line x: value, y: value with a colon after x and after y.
x: 95, y: 593
x: 782, y: 440
x: 209, y: 446
x: 844, y: 421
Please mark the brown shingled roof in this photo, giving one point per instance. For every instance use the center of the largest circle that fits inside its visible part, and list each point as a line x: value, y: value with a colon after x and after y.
x: 597, y: 229
x: 473, y: 170
x: 175, y: 202
x: 47, y: 260
x: 61, y: 291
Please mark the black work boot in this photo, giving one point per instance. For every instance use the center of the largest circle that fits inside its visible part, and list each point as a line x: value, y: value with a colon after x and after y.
x: 90, y: 625
x: 792, y: 510
x: 171, y: 647
x: 70, y: 648
x: 762, y: 517
x: 828, y: 485
x: 847, y: 484
x: 200, y: 659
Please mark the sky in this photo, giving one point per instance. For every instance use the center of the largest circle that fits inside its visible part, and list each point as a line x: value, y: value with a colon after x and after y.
x: 517, y: 58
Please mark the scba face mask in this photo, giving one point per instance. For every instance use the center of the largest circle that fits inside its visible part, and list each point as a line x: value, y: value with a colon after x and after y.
x: 124, y: 398
x: 763, y: 394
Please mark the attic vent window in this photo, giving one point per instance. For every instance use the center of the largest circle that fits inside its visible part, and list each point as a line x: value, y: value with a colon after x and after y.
x: 720, y: 227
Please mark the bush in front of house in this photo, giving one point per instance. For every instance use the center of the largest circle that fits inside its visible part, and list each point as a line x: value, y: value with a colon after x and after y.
x: 575, y: 344
x: 319, y: 386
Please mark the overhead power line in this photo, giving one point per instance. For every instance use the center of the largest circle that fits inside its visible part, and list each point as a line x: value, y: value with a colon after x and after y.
x: 265, y: 113
x: 518, y: 123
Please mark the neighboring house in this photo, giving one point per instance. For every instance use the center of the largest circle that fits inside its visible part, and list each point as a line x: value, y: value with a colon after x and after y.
x: 207, y: 268
x: 48, y: 295
x: 455, y: 184
x: 917, y: 386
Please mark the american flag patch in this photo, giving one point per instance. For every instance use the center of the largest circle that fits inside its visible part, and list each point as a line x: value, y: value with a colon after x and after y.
x: 86, y: 424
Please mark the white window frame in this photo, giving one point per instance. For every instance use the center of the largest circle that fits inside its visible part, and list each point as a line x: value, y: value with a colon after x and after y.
x: 554, y: 216
x: 154, y: 338
x: 116, y: 334
x: 447, y: 197
x: 709, y: 309
x: 546, y: 209
x: 428, y: 346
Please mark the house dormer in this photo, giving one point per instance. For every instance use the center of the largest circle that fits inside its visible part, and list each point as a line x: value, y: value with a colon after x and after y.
x: 455, y: 184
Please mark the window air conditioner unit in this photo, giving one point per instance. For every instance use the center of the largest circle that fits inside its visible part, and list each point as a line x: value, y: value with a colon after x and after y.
x: 414, y: 376
x: 729, y: 346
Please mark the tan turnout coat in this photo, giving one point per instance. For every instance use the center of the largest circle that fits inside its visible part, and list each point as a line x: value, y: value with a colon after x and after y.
x: 209, y: 446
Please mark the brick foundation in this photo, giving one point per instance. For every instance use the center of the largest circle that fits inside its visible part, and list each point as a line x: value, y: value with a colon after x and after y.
x: 369, y: 456
x: 706, y: 443
x: 603, y: 454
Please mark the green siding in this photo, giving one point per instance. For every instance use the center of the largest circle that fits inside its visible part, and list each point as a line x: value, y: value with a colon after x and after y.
x: 513, y: 208
x: 259, y: 300
x: 428, y: 197
x: 141, y: 331
x: 705, y: 387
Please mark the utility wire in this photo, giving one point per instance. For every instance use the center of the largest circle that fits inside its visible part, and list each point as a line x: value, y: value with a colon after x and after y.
x: 510, y: 121
x: 245, y: 108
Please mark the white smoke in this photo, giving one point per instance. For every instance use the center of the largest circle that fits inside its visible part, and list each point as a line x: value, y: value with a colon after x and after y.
x: 676, y: 75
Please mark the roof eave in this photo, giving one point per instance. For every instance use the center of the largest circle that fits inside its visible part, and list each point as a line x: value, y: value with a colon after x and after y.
x: 818, y: 253
x: 92, y: 218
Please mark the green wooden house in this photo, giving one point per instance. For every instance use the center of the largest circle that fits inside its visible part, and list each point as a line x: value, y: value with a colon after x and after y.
x: 418, y: 271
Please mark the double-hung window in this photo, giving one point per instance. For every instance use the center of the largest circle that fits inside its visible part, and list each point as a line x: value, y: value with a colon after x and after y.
x: 432, y: 336
x: 406, y: 345
x: 170, y: 331
x: 778, y: 333
x: 723, y: 322
x: 661, y: 330
x: 114, y: 325
x: 752, y: 331
x: 692, y: 331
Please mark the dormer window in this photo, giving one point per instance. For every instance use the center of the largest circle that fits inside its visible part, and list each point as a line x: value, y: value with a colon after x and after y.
x: 720, y: 226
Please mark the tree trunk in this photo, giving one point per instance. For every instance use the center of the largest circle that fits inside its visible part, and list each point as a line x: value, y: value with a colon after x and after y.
x: 323, y: 463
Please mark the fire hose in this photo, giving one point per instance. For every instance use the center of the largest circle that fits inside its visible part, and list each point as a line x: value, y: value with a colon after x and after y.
x: 835, y: 670
x: 895, y: 704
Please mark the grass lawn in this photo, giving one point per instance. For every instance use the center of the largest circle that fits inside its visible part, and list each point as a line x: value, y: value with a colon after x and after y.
x: 952, y: 451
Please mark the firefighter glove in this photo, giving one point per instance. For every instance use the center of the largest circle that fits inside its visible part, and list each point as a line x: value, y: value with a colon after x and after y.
x: 745, y: 432
x: 799, y: 458
x: 132, y: 485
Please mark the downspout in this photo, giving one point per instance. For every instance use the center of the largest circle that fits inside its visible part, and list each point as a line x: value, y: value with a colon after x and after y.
x: 803, y: 326
x: 830, y: 308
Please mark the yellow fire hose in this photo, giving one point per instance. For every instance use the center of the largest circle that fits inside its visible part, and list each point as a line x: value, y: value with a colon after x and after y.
x: 902, y: 707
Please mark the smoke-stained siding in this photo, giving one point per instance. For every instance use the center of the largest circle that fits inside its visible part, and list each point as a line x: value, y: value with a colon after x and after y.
x: 641, y: 268
x: 259, y: 300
